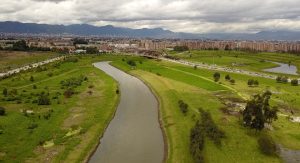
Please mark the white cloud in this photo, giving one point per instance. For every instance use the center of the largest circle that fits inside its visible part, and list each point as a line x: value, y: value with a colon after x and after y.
x: 177, y: 15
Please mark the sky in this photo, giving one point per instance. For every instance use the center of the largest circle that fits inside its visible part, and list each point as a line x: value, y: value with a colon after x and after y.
x: 192, y: 16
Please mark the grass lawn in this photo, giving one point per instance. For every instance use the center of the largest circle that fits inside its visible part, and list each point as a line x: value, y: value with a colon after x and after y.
x: 69, y: 128
x: 240, y: 144
x: 13, y: 59
x: 238, y: 59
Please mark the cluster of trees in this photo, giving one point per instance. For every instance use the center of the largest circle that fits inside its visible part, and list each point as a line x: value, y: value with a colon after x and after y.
x: 79, y: 41
x: 228, y: 78
x: 183, y: 107
x: 43, y: 99
x: 252, y: 82
x: 22, y: 46
x: 205, y: 127
x: 181, y: 48
x: 282, y: 79
x: 258, y: 111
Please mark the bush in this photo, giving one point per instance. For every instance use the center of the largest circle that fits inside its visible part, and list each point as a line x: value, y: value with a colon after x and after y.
x: 32, y: 126
x: 68, y: 93
x: 50, y: 74
x: 31, y: 78
x: 181, y: 48
x: 34, y: 87
x: 183, y: 107
x: 131, y: 63
x: 2, y: 111
x: 217, y: 76
x: 294, y: 82
x: 267, y: 145
x: 43, y: 99
x: 5, y: 92
x: 232, y: 81
x: 278, y: 79
x: 227, y: 77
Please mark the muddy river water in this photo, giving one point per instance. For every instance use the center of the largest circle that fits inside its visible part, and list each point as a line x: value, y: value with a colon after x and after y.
x: 134, y: 134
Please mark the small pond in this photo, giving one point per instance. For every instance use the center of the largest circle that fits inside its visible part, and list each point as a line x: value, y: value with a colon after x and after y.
x: 283, y: 69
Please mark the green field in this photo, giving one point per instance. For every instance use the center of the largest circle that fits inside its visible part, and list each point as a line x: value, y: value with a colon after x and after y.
x: 68, y: 129
x: 12, y: 59
x: 173, y: 82
x: 238, y: 59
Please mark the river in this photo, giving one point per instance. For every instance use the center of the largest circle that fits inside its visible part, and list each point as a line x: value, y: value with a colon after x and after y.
x: 134, y: 134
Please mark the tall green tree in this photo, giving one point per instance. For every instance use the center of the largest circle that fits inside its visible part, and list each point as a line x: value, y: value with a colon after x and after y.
x: 258, y: 111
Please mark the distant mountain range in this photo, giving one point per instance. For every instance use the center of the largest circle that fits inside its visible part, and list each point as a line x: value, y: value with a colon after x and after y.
x: 111, y: 31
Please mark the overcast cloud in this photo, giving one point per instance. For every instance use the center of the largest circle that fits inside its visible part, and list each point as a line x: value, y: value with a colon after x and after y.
x: 193, y: 16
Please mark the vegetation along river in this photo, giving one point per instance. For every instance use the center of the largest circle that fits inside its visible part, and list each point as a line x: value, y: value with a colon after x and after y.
x: 134, y: 134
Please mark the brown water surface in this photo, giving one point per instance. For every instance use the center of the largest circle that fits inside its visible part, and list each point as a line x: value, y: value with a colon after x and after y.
x: 134, y: 134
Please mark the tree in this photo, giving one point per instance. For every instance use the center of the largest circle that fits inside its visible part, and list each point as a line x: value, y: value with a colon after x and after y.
x: 232, y: 81
x: 278, y: 79
x: 91, y: 50
x: 227, y: 77
x: 258, y: 111
x: 183, y: 107
x: 31, y: 78
x: 2, y: 111
x: 255, y: 83
x: 217, y: 76
x: 284, y: 79
x: 294, y: 82
x: 20, y: 46
x: 5, y: 92
x: 250, y: 82
x: 181, y: 48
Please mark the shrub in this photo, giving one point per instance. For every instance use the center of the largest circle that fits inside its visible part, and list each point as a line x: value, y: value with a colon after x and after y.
x: 267, y: 145
x: 294, y: 82
x: 68, y: 93
x: 5, y: 92
x: 255, y: 83
x: 31, y: 78
x: 232, y: 81
x: 2, y: 111
x: 278, y: 79
x: 181, y: 48
x: 183, y: 107
x: 50, y: 74
x: 32, y: 126
x: 43, y: 99
x: 217, y: 76
x: 227, y: 77
x: 284, y: 79
x: 34, y: 87
x: 131, y: 63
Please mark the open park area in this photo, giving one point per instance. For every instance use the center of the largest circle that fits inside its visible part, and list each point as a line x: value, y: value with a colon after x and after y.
x: 58, y: 111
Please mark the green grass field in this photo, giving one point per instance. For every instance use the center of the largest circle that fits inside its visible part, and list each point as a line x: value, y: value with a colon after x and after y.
x: 173, y: 82
x: 75, y: 124
x: 12, y: 59
x: 238, y: 59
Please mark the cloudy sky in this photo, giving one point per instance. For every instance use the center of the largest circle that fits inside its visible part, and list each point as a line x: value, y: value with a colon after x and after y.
x: 193, y: 16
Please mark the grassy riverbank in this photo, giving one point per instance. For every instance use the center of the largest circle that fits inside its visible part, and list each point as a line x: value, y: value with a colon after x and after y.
x: 69, y: 128
x: 173, y: 82
x: 238, y: 59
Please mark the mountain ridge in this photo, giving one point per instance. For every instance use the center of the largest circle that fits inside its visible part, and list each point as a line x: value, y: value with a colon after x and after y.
x: 157, y: 33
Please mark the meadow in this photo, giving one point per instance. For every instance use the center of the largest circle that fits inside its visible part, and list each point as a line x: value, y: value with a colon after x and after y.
x: 173, y: 82
x: 14, y: 59
x: 56, y: 112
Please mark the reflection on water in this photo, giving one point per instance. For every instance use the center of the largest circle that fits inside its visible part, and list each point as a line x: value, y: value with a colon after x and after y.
x: 283, y: 68
x: 134, y: 134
